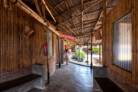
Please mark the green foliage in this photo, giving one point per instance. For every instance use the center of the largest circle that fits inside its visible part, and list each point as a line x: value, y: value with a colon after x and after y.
x: 94, y: 49
x: 77, y: 52
x: 82, y: 55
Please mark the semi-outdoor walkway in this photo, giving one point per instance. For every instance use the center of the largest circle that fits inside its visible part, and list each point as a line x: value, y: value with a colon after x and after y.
x: 71, y: 78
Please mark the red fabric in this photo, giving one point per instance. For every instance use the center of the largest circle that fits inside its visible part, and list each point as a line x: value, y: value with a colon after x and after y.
x: 45, y: 49
x: 65, y: 47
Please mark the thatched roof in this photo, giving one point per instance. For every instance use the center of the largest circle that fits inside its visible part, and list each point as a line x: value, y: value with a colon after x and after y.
x: 75, y: 17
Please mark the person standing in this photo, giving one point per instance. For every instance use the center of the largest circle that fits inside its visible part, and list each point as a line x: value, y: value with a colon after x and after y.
x: 66, y: 56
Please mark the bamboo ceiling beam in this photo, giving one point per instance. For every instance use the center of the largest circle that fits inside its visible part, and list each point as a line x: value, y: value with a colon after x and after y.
x: 70, y: 29
x: 89, y: 2
x: 66, y: 30
x: 61, y: 18
x: 88, y: 21
x: 81, y: 12
x: 85, y: 27
x: 69, y: 12
x: 48, y: 10
x: 82, y: 16
x: 77, y: 16
x: 101, y: 14
x: 54, y: 10
x: 92, y: 5
x: 78, y: 5
x: 59, y: 4
x: 91, y: 24
x: 97, y: 11
x: 86, y: 36
x: 86, y: 33
x: 33, y: 14
x: 43, y: 12
x: 74, y: 25
x: 72, y: 40
x: 38, y: 8
x: 66, y: 4
x: 68, y: 19
x: 99, y: 19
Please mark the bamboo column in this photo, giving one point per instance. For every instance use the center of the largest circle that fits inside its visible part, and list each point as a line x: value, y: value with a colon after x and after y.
x: 47, y: 63
x: 99, y: 53
x: 104, y: 33
x: 91, y: 50
x: 79, y: 53
x: 59, y: 52
x: 87, y: 55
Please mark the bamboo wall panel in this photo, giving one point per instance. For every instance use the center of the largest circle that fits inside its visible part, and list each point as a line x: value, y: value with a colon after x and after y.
x: 104, y: 34
x: 136, y: 37
x: 16, y: 51
x: 122, y: 8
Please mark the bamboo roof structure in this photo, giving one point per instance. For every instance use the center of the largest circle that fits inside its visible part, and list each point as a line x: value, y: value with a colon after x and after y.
x: 73, y: 17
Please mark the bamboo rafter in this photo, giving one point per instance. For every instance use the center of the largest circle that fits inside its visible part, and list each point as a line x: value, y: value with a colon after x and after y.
x: 49, y: 10
x: 70, y: 13
x: 81, y: 12
x: 61, y: 18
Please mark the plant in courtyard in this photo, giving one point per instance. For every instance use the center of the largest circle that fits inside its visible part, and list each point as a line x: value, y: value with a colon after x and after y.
x: 82, y: 55
x: 94, y: 49
x: 77, y: 52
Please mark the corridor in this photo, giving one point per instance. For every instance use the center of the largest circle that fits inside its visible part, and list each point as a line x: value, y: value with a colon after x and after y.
x: 71, y: 78
x: 37, y: 35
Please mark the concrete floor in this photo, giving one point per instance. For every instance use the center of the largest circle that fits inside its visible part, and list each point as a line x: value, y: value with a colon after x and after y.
x: 70, y: 78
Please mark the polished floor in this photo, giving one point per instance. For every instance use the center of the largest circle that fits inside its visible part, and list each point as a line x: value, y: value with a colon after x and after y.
x: 70, y: 78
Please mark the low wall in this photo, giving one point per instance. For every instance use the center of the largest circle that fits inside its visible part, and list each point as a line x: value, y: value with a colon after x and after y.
x: 18, y: 73
x: 125, y: 84
x: 14, y: 74
x: 99, y: 72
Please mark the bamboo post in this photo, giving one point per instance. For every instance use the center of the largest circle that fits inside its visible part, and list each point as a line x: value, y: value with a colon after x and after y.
x: 104, y: 33
x: 91, y: 49
x: 59, y: 52
x: 99, y: 52
x: 47, y: 63
x: 79, y: 53
x: 87, y: 54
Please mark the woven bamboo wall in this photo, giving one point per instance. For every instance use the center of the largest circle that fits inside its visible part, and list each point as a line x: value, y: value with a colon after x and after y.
x: 16, y: 51
x: 122, y: 8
